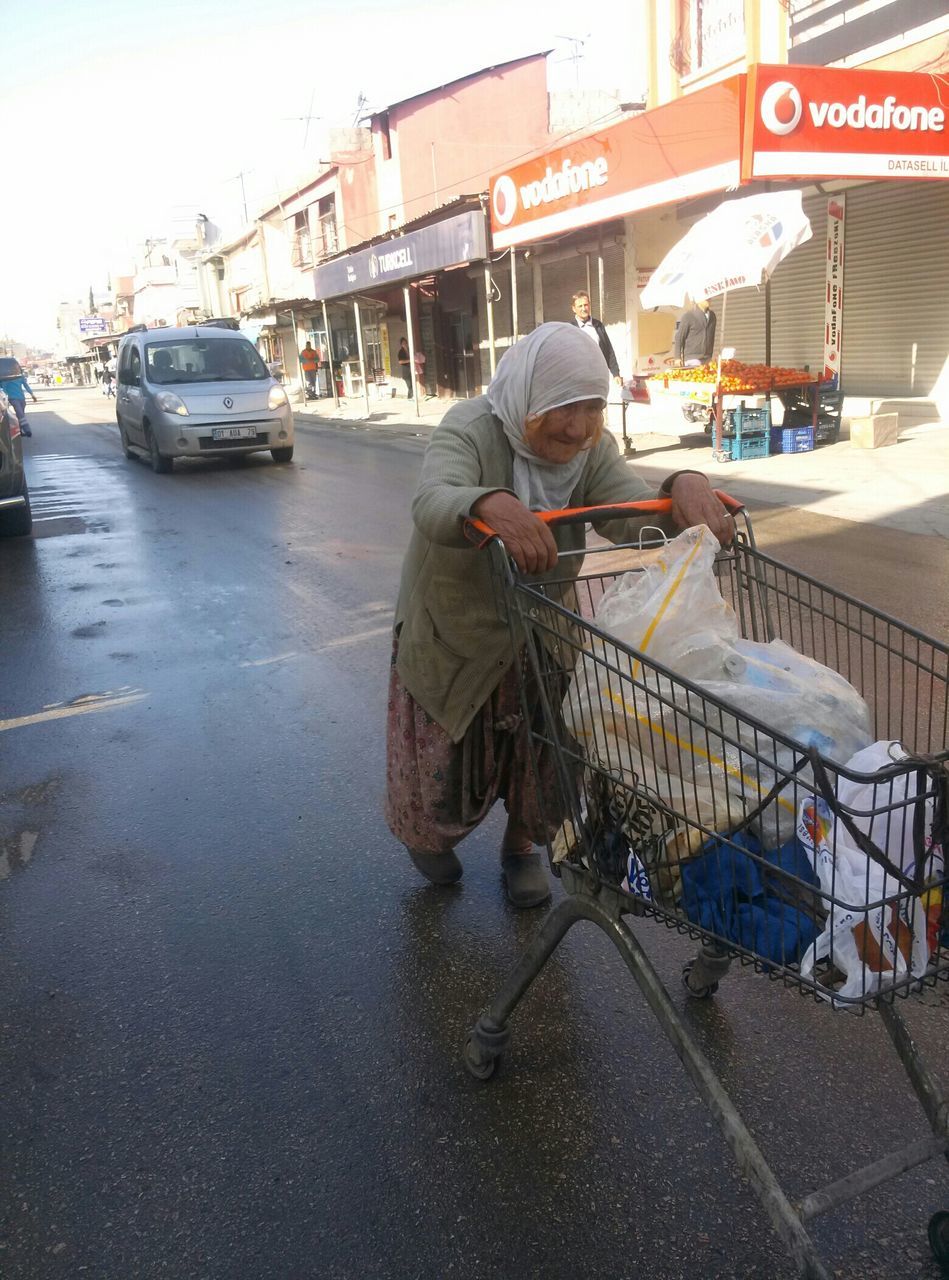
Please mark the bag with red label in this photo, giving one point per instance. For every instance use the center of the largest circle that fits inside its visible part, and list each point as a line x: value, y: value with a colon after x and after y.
x: 879, y: 859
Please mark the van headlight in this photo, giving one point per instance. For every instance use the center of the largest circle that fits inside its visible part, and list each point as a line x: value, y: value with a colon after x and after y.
x: 168, y: 402
x: 277, y: 397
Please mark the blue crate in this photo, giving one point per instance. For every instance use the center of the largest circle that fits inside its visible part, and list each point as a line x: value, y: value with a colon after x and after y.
x: 792, y: 439
x: 745, y: 447
x: 752, y: 421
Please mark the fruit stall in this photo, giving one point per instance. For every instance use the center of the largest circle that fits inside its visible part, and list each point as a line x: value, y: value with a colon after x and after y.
x: 734, y: 401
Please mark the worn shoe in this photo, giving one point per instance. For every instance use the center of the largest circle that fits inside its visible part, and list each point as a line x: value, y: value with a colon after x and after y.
x: 25, y: 430
x: 440, y: 868
x: 526, y: 880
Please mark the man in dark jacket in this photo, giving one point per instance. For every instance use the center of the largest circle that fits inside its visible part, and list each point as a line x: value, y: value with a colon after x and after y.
x: 695, y: 334
x: 583, y: 318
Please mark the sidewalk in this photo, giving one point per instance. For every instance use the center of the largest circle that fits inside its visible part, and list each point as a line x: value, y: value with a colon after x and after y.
x: 905, y: 486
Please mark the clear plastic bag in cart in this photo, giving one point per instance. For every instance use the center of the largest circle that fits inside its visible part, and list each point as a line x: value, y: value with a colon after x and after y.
x: 714, y: 769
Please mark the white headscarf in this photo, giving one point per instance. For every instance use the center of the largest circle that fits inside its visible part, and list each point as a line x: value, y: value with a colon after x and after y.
x: 556, y: 364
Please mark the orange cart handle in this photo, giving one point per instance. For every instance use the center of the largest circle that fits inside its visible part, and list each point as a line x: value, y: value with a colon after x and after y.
x: 478, y: 532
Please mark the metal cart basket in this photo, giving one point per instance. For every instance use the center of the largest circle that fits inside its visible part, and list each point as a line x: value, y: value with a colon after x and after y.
x: 655, y: 776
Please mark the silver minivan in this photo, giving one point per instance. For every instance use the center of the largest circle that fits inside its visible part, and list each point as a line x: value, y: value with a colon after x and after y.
x: 198, y: 392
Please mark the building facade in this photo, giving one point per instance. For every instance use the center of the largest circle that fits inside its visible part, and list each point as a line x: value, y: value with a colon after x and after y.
x: 867, y: 145
x: 414, y: 174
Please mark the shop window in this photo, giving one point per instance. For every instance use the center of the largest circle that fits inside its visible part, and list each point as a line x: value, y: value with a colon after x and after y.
x: 327, y: 240
x: 301, y: 248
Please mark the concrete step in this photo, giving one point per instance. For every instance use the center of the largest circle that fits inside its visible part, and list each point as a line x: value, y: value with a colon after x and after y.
x: 912, y: 410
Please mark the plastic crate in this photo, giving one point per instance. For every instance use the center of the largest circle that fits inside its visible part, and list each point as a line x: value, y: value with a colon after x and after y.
x: 748, y: 421
x: 747, y: 446
x: 798, y: 412
x: 792, y: 439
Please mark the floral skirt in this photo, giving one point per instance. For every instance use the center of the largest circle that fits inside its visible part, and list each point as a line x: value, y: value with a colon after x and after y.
x: 438, y: 791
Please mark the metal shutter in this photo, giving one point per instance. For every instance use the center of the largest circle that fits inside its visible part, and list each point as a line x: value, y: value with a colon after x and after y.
x: 559, y: 281
x: 896, y: 289
x: 612, y: 308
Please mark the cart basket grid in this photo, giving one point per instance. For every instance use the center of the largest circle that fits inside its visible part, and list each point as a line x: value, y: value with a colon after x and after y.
x: 694, y: 810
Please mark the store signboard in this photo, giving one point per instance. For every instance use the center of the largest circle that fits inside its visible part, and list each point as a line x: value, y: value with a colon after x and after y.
x: 842, y: 122
x: 93, y: 326
x: 686, y: 148
x: 417, y: 253
x: 834, y: 299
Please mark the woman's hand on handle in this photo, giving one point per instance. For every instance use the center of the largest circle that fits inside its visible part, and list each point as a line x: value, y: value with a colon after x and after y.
x: 693, y: 502
x: 528, y: 540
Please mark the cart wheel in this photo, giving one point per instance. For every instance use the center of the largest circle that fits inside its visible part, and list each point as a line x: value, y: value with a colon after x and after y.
x: 484, y: 1047
x: 481, y: 1065
x: 939, y: 1237
x: 697, y: 993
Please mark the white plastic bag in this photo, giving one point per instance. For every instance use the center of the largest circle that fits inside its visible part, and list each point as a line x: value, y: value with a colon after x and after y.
x: 707, y: 765
x: 876, y: 947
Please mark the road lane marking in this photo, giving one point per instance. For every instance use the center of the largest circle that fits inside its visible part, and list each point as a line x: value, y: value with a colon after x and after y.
x: 267, y: 662
x: 356, y: 639
x: 81, y: 707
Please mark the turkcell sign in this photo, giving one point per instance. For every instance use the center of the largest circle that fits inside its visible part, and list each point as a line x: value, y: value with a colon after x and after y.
x: 462, y: 238
x: 839, y: 122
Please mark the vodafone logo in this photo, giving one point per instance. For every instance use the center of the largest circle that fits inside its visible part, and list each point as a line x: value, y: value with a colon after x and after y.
x: 570, y: 179
x: 504, y: 200
x: 781, y: 108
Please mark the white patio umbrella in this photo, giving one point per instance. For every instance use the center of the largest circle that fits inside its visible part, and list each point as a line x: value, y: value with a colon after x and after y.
x: 737, y: 245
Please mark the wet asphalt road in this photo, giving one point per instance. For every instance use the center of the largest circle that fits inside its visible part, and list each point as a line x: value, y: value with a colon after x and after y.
x: 231, y: 1014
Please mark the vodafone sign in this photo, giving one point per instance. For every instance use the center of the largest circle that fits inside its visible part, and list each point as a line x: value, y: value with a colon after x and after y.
x: 685, y: 148
x: 834, y: 122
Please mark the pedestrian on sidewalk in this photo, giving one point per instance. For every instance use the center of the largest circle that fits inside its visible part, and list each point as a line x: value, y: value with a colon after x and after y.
x: 310, y: 364
x: 420, y: 370
x: 456, y: 738
x: 108, y: 388
x: 405, y: 365
x: 595, y: 329
x: 695, y: 335
x: 17, y: 388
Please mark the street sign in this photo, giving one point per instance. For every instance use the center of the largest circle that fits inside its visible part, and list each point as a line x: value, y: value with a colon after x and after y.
x: 91, y: 326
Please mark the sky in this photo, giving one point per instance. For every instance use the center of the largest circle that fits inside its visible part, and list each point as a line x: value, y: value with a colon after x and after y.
x: 128, y: 115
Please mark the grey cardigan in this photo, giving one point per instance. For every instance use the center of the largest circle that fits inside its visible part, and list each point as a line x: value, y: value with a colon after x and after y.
x: 453, y: 647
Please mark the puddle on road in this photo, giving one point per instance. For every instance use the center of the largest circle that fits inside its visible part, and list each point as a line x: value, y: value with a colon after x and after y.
x: 16, y: 851
x: 73, y: 494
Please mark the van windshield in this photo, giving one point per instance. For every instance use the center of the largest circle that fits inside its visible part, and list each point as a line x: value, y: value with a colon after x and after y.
x: 204, y: 360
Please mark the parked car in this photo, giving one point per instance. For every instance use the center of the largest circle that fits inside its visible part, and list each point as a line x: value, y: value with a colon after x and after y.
x: 16, y: 518
x: 197, y: 392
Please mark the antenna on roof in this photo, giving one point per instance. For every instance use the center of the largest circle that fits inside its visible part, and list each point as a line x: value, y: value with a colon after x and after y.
x: 576, y: 53
x: 362, y: 102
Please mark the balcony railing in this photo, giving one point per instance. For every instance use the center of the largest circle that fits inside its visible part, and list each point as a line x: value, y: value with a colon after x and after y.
x: 301, y: 251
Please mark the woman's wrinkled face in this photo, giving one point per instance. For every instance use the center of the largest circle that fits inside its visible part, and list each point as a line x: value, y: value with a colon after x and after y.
x: 559, y: 434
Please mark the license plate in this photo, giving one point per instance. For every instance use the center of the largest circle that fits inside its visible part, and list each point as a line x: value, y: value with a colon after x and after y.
x: 233, y: 433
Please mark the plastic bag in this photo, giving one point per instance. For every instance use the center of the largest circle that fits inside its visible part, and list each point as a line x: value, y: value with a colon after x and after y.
x: 706, y: 765
x: 877, y: 946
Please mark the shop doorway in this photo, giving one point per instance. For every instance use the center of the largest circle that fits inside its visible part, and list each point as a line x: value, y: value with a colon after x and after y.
x: 463, y: 382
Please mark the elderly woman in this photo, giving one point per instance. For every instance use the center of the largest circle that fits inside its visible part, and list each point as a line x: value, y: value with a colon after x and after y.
x: 456, y: 740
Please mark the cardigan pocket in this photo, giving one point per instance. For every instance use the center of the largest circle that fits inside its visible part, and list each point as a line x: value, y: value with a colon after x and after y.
x: 436, y: 665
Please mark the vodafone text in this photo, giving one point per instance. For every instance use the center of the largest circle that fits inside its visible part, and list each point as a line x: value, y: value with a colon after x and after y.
x: 876, y: 115
x: 569, y: 178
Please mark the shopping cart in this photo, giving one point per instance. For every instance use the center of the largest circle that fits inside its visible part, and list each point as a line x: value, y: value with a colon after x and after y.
x: 653, y: 772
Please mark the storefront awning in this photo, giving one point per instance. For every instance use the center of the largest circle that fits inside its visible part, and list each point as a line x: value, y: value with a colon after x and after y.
x: 776, y: 122
x: 456, y: 240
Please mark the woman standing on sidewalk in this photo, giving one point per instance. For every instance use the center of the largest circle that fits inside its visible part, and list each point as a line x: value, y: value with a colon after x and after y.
x: 456, y: 739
